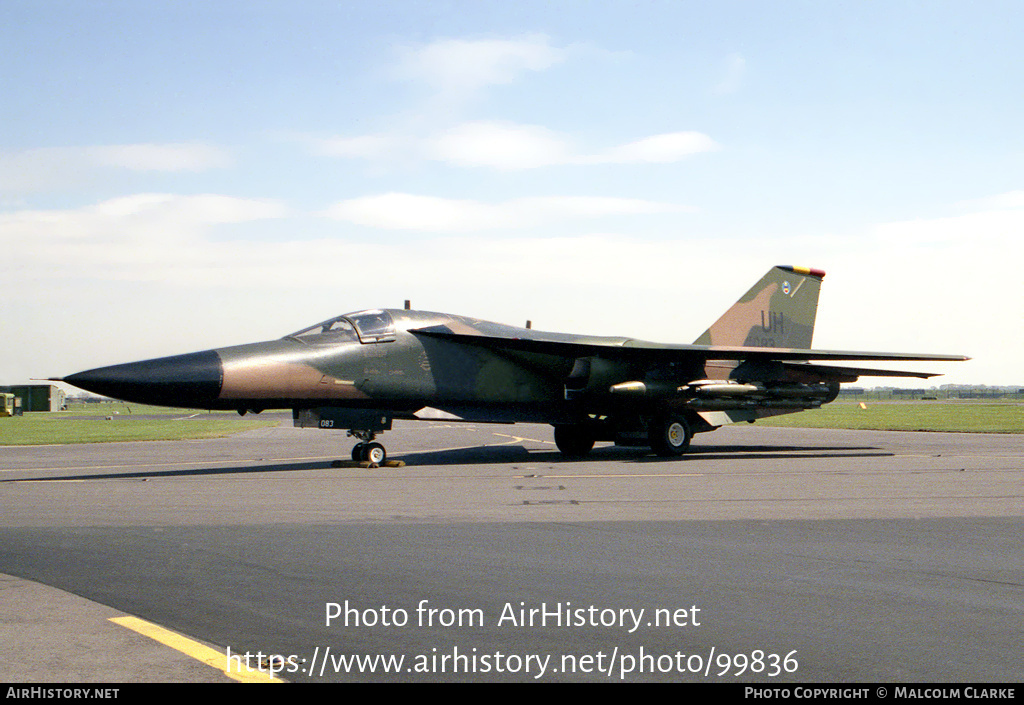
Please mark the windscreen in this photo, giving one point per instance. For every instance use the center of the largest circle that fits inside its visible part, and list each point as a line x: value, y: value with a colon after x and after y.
x: 328, y: 331
x: 366, y: 326
x: 373, y: 326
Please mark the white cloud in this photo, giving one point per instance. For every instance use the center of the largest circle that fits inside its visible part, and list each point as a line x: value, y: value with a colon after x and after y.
x: 1011, y: 199
x: 514, y: 146
x: 143, y: 237
x: 670, y: 147
x: 160, y: 157
x: 461, y: 66
x: 185, y: 211
x: 403, y: 211
x: 456, y: 69
x: 54, y: 167
x: 498, y: 145
x: 407, y: 211
x: 998, y: 228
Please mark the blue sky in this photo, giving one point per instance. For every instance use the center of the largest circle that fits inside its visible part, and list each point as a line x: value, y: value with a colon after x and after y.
x: 176, y: 176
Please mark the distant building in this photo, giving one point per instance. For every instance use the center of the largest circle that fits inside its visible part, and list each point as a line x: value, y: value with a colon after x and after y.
x: 38, y: 397
x: 981, y: 394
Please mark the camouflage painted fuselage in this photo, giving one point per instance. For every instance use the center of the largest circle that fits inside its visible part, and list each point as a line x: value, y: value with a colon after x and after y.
x: 403, y: 371
x: 360, y: 370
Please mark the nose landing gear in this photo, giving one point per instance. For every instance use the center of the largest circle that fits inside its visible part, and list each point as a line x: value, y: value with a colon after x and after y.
x: 367, y: 449
x: 362, y: 424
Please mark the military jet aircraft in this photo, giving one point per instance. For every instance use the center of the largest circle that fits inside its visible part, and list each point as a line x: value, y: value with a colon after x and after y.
x: 360, y: 371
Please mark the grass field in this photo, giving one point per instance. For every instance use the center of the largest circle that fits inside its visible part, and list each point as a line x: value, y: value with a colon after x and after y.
x: 956, y: 416
x: 102, y: 423
x: 88, y: 423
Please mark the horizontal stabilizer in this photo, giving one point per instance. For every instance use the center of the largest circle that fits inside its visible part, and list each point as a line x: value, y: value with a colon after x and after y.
x: 850, y: 374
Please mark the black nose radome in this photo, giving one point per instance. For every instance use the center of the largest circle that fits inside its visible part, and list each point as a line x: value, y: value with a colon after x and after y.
x: 192, y: 380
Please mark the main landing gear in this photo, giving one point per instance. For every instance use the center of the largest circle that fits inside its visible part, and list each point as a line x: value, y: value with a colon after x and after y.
x: 367, y: 449
x: 574, y: 441
x: 668, y: 435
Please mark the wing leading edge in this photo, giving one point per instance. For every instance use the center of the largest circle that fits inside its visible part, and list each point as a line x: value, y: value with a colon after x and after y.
x: 640, y: 350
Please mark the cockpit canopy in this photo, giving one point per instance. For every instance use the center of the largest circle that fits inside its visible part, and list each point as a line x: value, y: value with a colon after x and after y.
x: 375, y: 326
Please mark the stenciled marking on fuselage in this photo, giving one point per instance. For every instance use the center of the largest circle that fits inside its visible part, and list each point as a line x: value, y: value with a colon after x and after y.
x: 775, y: 322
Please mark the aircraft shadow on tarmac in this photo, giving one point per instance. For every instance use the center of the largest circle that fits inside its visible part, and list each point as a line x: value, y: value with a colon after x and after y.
x: 484, y: 455
x: 504, y: 454
x: 192, y: 472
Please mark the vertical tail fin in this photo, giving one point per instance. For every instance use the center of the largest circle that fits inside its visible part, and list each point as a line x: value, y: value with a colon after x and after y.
x: 777, y: 312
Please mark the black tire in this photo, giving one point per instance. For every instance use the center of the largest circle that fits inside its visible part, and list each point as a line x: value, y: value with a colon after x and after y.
x: 670, y: 435
x: 574, y: 441
x: 357, y: 452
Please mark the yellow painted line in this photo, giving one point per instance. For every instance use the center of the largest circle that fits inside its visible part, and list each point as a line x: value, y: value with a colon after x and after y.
x: 515, y: 439
x: 200, y: 652
x: 519, y: 438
